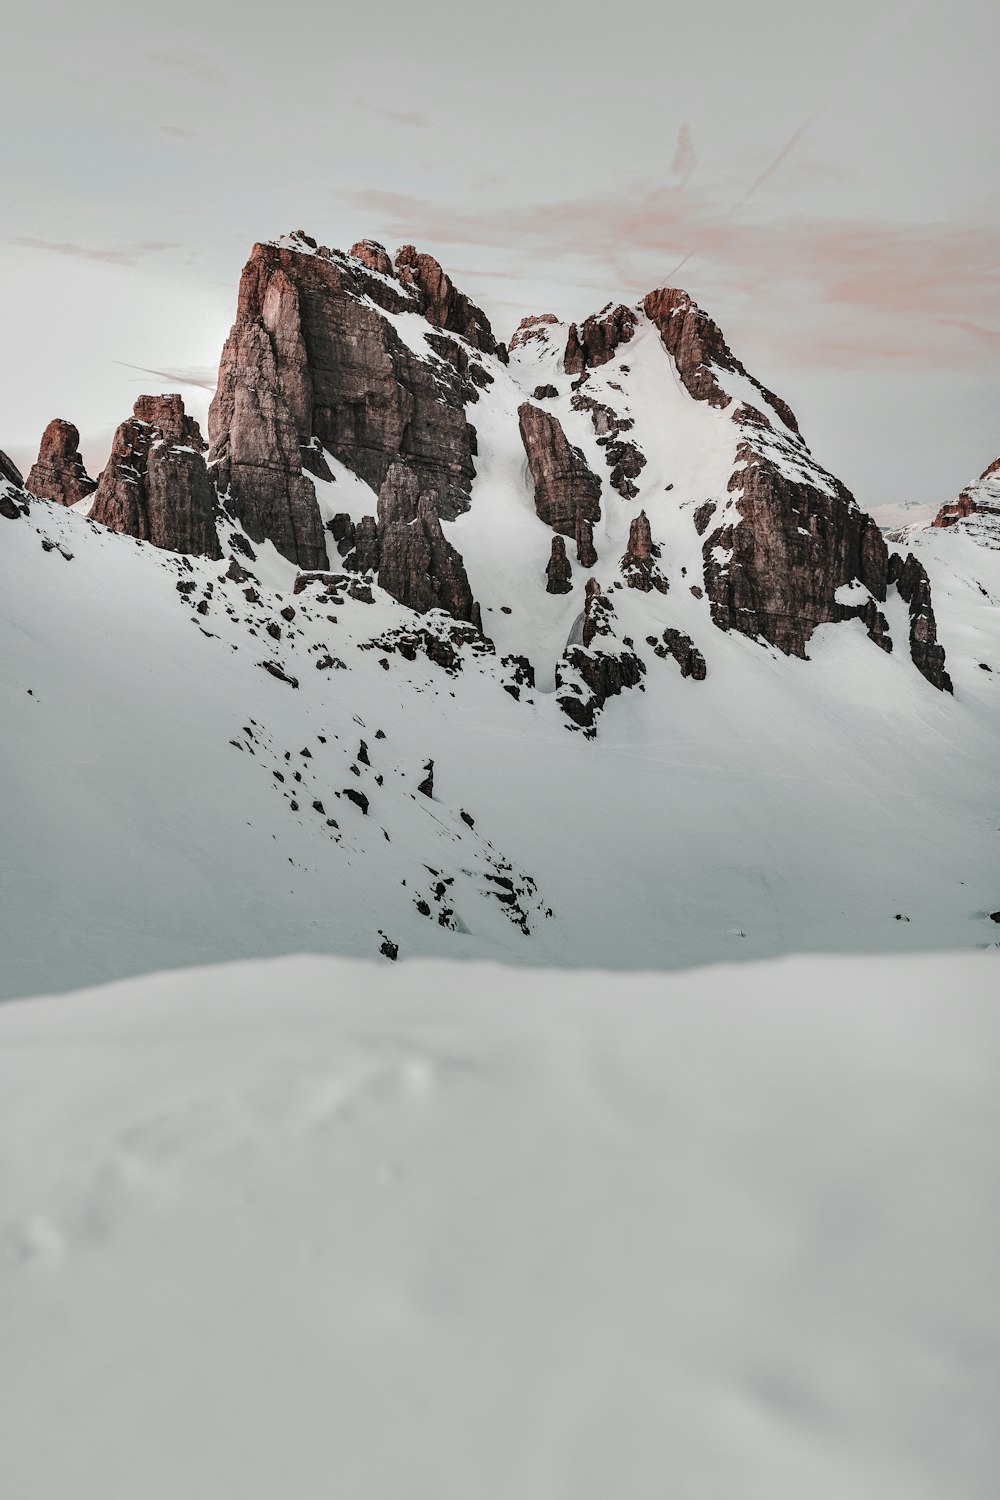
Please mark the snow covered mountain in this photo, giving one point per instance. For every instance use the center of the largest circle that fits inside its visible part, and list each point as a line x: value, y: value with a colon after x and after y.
x: 568, y: 653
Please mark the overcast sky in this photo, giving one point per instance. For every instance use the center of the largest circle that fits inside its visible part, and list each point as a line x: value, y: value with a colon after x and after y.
x: 823, y: 179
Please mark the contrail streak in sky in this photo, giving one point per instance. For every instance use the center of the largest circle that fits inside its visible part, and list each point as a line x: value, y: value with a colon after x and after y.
x: 201, y: 378
x: 758, y: 183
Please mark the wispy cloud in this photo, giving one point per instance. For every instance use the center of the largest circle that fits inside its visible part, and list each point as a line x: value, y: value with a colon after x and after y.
x: 187, y: 62
x: 180, y: 131
x: 864, y: 290
x: 410, y: 117
x: 200, y: 375
x: 122, y: 255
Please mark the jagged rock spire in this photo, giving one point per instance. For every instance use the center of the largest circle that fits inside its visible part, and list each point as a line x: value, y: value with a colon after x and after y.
x: 58, y: 473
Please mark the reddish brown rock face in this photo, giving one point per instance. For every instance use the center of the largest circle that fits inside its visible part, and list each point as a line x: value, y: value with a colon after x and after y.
x: 698, y: 348
x: 794, y: 535
x: 311, y: 361
x: 157, y: 488
x: 365, y: 554
x: 567, y: 492
x: 913, y: 585
x: 598, y: 339
x: 373, y: 255
x: 955, y: 511
x: 442, y: 303
x: 532, y: 327
x: 167, y: 415
x: 639, y: 563
x: 417, y: 565
x: 980, y: 499
x: 773, y: 573
x: 58, y: 473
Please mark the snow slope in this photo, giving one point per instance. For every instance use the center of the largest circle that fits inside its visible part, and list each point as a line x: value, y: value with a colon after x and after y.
x: 779, y: 805
x: 314, y: 1227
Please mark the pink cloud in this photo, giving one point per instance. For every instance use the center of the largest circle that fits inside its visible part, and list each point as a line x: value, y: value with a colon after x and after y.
x: 866, y: 292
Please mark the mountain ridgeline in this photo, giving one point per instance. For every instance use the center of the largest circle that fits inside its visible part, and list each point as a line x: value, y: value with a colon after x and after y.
x: 368, y: 423
x: 566, y: 651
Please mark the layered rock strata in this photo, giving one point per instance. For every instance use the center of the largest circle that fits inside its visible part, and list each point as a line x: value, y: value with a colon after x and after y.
x: 156, y: 486
x: 698, y: 349
x: 58, y: 473
x: 598, y: 339
x: 639, y: 562
x: 913, y: 585
x: 772, y: 571
x: 977, y: 509
x: 315, y: 362
x: 567, y: 491
x: 416, y: 564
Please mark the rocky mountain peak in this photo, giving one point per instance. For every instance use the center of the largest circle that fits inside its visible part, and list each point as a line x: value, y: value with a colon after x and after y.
x: 977, y: 508
x: 354, y: 375
x: 156, y: 486
x: 699, y: 350
x: 373, y: 255
x: 442, y: 303
x: 172, y: 423
x: 534, y: 326
x: 598, y: 338
x: 58, y: 473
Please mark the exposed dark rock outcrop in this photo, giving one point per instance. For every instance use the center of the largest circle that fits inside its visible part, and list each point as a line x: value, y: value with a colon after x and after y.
x: 58, y: 473
x: 559, y: 572
x: 312, y: 364
x: 598, y: 338
x: 518, y: 674
x: 598, y: 612
x: 588, y: 675
x: 913, y: 585
x: 373, y: 255
x: 793, y: 537
x: 443, y: 640
x: 978, y: 508
x: 442, y: 303
x: 703, y: 515
x: 698, y: 349
x: 567, y: 492
x: 156, y: 486
x: 342, y: 529
x: 602, y: 676
x: 365, y: 553
x: 417, y: 565
x: 167, y: 415
x: 13, y: 500
x: 532, y: 329
x: 625, y: 459
x: 683, y: 650
x: 641, y: 555
x: 9, y: 471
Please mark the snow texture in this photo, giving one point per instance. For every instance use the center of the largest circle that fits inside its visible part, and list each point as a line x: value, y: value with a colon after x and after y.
x: 314, y: 1227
